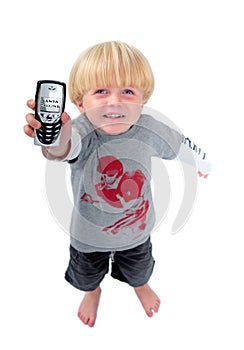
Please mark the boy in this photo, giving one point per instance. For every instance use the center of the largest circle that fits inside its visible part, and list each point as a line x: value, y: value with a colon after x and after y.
x: 109, y: 148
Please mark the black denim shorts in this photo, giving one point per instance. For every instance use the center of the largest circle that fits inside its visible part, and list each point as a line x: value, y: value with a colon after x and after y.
x: 133, y: 266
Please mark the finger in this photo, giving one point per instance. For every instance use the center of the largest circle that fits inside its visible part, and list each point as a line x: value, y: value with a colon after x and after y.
x: 35, y: 124
x: 31, y: 104
x: 29, y: 131
x: 65, y: 118
x: 66, y: 128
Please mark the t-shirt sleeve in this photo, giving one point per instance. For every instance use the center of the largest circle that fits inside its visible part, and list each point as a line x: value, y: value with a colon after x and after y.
x: 163, y: 139
x: 169, y: 143
x: 75, y: 148
x: 194, y: 155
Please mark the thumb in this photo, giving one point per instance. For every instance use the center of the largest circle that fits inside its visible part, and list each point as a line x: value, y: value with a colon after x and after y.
x: 66, y: 129
x: 65, y: 118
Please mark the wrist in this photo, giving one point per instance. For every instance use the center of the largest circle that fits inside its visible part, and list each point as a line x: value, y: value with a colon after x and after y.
x: 57, y: 152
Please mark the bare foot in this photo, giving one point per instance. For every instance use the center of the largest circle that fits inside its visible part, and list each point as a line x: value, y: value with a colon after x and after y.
x: 148, y: 298
x: 87, y: 312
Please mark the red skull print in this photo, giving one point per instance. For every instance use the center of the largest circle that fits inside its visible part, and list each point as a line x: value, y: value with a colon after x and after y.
x: 119, y: 188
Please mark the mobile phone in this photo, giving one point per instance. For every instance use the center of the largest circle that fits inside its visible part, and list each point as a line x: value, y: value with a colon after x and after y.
x: 49, y: 105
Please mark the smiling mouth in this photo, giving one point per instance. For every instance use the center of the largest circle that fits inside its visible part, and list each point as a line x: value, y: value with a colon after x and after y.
x: 114, y: 116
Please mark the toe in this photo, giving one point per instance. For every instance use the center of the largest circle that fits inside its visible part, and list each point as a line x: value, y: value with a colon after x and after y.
x: 91, y: 323
x: 84, y: 320
x: 149, y: 313
x: 155, y: 309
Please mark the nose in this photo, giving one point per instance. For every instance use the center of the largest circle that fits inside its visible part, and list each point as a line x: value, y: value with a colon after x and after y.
x: 114, y: 98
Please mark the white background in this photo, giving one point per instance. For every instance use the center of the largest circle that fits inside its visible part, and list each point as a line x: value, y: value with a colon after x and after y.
x: 196, y: 51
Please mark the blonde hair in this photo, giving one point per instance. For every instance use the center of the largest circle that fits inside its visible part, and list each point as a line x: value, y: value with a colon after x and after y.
x: 108, y: 64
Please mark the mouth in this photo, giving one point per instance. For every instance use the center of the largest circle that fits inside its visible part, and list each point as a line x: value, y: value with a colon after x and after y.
x: 114, y: 116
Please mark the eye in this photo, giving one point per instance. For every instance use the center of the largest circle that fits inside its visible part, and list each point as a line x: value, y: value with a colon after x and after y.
x: 128, y: 92
x: 100, y: 92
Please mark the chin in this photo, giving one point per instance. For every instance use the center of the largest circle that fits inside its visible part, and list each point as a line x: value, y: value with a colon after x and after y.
x: 115, y: 129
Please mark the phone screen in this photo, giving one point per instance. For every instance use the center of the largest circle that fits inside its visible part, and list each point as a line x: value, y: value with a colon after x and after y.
x: 50, y: 105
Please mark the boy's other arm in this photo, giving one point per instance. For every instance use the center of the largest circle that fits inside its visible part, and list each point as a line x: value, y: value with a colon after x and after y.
x: 52, y: 153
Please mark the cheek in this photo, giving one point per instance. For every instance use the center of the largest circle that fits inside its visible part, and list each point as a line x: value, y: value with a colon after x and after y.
x: 94, y: 116
x: 135, y: 110
x: 93, y: 107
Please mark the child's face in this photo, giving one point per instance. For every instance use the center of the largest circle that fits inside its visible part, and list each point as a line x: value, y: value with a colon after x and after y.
x: 113, y: 110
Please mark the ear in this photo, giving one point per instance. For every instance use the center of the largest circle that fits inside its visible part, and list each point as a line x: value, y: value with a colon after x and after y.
x: 80, y: 107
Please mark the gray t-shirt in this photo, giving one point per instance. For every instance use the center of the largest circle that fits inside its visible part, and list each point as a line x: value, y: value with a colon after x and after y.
x: 113, y: 208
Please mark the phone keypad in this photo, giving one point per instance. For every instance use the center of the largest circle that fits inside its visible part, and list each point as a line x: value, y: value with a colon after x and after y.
x: 50, y: 130
x: 49, y: 117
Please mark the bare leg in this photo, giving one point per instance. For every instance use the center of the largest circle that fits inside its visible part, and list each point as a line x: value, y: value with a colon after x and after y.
x: 150, y: 301
x: 87, y: 312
